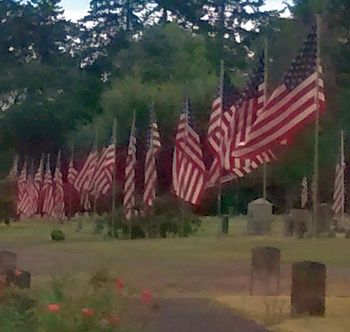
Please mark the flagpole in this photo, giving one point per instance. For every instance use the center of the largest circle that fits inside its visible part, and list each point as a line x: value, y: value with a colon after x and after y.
x: 219, y: 198
x: 266, y: 78
x: 134, y: 133
x: 342, y: 163
x: 70, y: 189
x: 317, y: 125
x: 151, y: 148
x: 114, y: 177
x: 95, y: 196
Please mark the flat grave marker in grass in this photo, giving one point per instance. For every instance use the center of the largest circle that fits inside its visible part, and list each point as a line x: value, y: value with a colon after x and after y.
x: 308, y: 289
x: 8, y: 261
x: 265, y: 271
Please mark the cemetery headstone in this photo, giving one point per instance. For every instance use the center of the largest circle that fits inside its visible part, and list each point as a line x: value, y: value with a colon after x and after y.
x: 288, y: 226
x: 308, y: 289
x: 265, y: 271
x: 301, y: 221
x: 324, y: 218
x: 259, y: 217
x: 8, y: 261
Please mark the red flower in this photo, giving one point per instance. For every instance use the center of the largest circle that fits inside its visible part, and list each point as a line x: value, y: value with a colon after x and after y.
x: 88, y: 312
x: 146, y: 296
x: 119, y: 284
x: 54, y: 308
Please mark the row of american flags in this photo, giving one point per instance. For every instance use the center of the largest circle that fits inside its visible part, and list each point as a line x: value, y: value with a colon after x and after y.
x: 246, y: 129
x: 338, y: 206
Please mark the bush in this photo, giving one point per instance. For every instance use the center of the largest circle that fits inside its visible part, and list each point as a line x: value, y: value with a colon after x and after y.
x: 57, y: 235
x: 169, y: 218
x: 102, y: 304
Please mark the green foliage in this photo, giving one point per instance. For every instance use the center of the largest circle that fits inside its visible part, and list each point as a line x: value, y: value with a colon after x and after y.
x: 169, y: 218
x: 100, y: 278
x: 158, y: 69
x: 17, y: 311
x: 68, y: 306
x: 57, y: 235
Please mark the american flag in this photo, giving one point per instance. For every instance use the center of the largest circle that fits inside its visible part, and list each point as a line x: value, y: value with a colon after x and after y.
x: 218, y: 132
x: 244, y: 115
x: 129, y: 185
x: 304, y: 196
x: 21, y: 187
x: 38, y: 183
x: 24, y: 206
x: 58, y: 195
x: 292, y: 105
x: 154, y: 146
x: 188, y: 167
x: 339, y: 191
x: 72, y: 172
x: 103, y: 177
x: 48, y: 203
x: 33, y: 195
x: 83, y: 182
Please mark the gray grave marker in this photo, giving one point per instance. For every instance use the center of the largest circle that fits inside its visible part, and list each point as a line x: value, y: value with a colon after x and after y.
x: 265, y: 271
x: 324, y: 218
x: 308, y: 289
x: 288, y: 226
x: 8, y: 261
x: 259, y: 217
x: 301, y: 221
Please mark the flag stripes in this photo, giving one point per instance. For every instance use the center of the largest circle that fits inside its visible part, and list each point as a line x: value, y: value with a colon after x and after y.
x: 339, y: 190
x: 83, y: 182
x: 154, y: 146
x: 102, y: 179
x: 48, y: 201
x: 189, y: 171
x: 72, y: 172
x: 58, y: 196
x: 304, y: 196
x: 292, y: 105
x: 129, y: 185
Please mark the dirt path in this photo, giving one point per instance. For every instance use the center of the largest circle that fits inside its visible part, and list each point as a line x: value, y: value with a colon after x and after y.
x: 200, y: 315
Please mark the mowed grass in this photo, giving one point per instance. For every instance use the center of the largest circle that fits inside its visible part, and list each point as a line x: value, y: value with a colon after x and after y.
x: 203, y: 265
x: 205, y: 245
x: 274, y: 312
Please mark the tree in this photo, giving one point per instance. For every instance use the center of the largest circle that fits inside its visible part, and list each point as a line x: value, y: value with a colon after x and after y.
x: 44, y: 92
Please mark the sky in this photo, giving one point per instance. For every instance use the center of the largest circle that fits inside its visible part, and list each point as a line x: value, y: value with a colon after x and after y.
x: 76, y: 9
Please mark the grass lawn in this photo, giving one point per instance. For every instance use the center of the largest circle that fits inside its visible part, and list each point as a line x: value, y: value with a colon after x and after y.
x: 204, y: 265
x: 273, y: 312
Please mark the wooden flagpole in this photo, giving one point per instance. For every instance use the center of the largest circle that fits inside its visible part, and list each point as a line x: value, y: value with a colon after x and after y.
x: 317, y: 125
x: 114, y: 231
x: 219, y: 198
x: 266, y: 78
